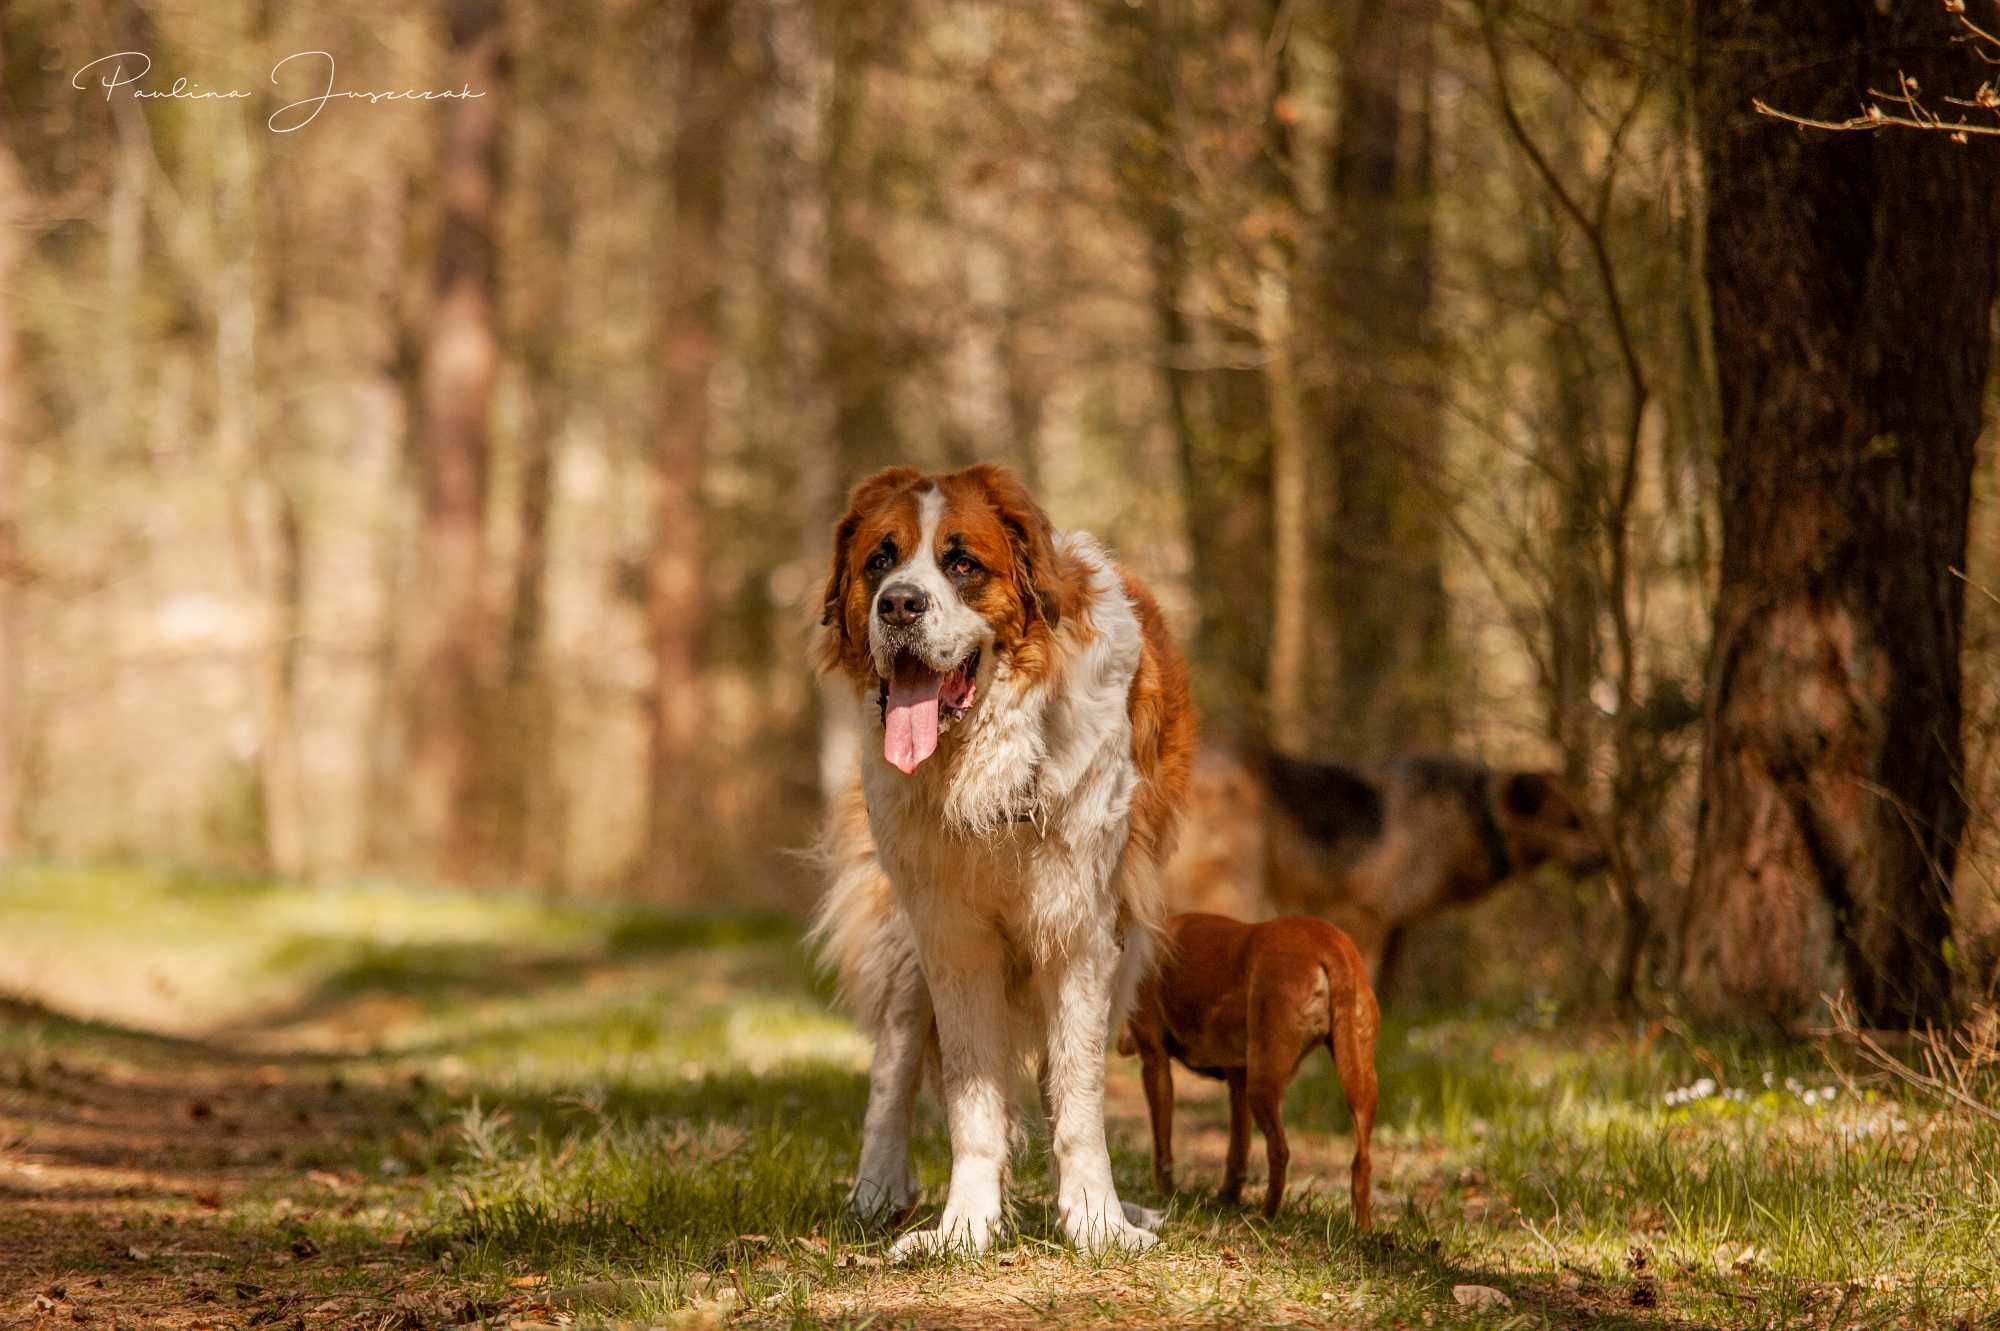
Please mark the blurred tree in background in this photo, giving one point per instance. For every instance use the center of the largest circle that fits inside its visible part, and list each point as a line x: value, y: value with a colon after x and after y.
x: 442, y: 488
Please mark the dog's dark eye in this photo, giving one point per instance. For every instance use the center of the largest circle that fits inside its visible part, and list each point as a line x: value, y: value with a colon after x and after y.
x: 961, y: 566
x: 880, y: 561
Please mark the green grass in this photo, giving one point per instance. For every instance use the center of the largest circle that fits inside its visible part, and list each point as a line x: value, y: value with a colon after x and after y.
x: 614, y: 1115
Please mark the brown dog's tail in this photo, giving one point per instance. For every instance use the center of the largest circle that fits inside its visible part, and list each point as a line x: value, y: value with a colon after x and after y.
x: 1347, y: 987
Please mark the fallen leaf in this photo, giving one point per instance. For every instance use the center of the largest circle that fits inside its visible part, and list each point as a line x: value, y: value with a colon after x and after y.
x: 1481, y: 1297
x: 528, y: 1282
x: 200, y: 1110
x: 208, y: 1199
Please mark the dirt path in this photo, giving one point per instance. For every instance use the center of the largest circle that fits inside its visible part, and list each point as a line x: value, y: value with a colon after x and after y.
x: 161, y: 1182
x: 180, y: 1186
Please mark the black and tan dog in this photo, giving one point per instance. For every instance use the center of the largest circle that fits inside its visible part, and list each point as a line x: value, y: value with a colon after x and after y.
x: 1246, y: 1003
x: 1369, y: 849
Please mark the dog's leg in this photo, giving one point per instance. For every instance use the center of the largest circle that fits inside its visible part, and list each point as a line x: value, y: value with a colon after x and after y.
x: 1158, y: 1071
x: 1145, y: 1217
x: 967, y: 971
x: 1238, y: 1161
x: 884, y: 1186
x: 1076, y: 996
x: 1353, y: 1047
x: 1273, y: 1054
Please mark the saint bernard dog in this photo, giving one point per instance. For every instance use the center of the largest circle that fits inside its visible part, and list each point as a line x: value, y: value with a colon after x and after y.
x: 994, y: 899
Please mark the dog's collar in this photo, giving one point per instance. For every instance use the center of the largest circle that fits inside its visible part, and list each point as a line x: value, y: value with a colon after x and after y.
x: 1499, y: 862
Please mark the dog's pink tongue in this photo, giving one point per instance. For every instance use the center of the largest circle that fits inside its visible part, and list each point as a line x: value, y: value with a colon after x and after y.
x: 910, y: 728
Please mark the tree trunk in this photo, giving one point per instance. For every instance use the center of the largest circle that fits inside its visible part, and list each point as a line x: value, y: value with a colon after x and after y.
x: 1221, y: 414
x: 383, y: 429
x: 857, y: 359
x: 690, y: 342
x: 264, y: 522
x: 13, y: 702
x: 521, y: 821
x: 1386, y: 594
x: 461, y: 355
x: 860, y: 359
x: 1285, y: 680
x: 1852, y: 278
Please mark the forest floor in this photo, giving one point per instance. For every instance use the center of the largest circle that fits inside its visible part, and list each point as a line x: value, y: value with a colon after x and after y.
x: 229, y: 1103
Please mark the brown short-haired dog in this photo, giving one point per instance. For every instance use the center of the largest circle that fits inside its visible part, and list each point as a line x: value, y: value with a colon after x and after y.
x: 1245, y: 1003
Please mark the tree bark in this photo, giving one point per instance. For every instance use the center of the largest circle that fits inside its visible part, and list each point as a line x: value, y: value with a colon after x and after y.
x: 1852, y: 278
x: 858, y: 358
x: 1221, y: 414
x: 250, y: 428
x: 13, y: 641
x: 1386, y: 567
x: 690, y: 342
x: 860, y: 355
x: 521, y: 819
x: 461, y: 357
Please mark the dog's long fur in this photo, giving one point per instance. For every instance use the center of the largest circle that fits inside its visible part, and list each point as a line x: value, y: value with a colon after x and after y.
x: 998, y: 902
x: 1370, y: 849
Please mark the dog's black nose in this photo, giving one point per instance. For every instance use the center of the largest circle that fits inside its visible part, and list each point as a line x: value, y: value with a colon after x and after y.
x: 901, y: 605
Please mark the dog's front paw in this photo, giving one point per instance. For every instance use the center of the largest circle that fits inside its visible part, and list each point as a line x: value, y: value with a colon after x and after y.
x: 962, y: 1236
x: 1145, y: 1217
x: 1095, y: 1231
x: 874, y: 1201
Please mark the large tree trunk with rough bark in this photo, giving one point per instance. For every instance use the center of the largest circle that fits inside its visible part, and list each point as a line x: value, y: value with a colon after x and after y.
x: 461, y: 356
x: 1852, y: 279
x: 690, y: 340
x: 1385, y: 581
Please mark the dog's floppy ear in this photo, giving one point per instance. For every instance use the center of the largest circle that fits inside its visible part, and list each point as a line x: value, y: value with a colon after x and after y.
x: 1524, y: 793
x: 835, y: 595
x: 833, y: 601
x: 1032, y: 537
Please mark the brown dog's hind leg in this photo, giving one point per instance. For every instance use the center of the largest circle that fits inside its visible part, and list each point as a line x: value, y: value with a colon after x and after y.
x: 1266, y: 1093
x: 1273, y: 1055
x: 1237, y: 1163
x: 1157, y: 1069
x: 1352, y: 1044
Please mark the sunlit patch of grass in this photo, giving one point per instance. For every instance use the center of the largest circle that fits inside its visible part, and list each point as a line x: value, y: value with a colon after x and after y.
x: 626, y: 1114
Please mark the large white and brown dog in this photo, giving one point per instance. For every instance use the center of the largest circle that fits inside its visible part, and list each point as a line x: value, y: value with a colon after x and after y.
x: 995, y: 893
